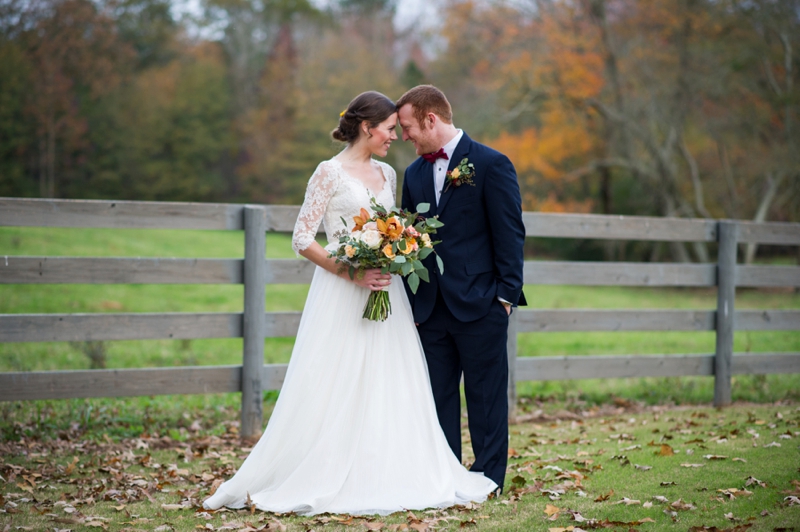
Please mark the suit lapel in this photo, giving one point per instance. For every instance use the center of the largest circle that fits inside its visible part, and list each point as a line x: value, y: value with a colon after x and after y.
x: 461, y: 151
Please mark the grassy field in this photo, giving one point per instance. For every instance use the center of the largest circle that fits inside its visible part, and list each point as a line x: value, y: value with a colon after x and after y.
x: 227, y: 298
x: 147, y: 464
x: 586, y: 454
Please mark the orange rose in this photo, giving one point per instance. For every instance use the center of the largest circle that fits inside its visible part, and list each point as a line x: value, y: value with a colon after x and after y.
x: 387, y: 250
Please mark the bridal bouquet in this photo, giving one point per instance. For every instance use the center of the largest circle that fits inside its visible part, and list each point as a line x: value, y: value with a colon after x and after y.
x: 394, y: 240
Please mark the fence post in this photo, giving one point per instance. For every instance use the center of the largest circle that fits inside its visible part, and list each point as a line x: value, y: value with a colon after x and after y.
x: 511, y: 346
x: 253, y: 326
x: 726, y: 294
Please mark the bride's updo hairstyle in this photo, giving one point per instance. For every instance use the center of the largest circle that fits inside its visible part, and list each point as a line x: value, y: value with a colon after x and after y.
x: 371, y: 107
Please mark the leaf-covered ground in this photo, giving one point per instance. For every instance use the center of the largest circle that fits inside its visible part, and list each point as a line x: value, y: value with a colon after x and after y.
x: 619, y: 467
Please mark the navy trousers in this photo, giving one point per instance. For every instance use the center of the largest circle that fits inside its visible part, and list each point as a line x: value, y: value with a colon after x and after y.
x: 478, y: 349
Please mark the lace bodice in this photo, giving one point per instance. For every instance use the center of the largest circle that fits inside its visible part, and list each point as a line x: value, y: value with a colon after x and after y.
x: 333, y: 195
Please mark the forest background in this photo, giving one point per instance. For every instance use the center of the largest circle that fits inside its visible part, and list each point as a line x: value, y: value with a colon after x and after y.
x: 650, y: 107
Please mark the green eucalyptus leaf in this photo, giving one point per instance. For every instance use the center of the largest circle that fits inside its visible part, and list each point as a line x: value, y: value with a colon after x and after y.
x: 440, y: 264
x: 433, y: 222
x: 413, y: 282
x: 423, y: 207
x: 423, y: 274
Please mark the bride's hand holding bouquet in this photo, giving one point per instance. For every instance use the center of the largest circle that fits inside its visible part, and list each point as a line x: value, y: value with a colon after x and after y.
x: 393, y: 240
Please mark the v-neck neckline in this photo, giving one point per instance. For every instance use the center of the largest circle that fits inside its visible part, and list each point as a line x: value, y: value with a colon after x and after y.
x: 354, y: 178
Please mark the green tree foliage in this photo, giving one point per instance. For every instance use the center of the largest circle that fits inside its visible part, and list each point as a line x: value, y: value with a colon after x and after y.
x: 16, y: 133
x: 148, y: 26
x: 665, y: 107
x: 169, y: 131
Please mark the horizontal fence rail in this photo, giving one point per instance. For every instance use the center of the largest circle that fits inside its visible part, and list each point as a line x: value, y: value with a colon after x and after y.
x: 98, y: 270
x: 91, y: 270
x: 187, y: 326
x: 120, y: 214
x: 223, y: 379
x: 623, y: 366
x: 256, y: 273
x: 133, y: 382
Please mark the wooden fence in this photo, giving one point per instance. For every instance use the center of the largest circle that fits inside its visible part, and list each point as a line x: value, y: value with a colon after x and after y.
x: 254, y: 324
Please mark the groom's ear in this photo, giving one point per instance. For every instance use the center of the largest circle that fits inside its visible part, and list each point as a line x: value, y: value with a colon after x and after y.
x: 430, y: 120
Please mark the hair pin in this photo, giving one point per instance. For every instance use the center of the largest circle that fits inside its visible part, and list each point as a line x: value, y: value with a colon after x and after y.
x: 342, y: 113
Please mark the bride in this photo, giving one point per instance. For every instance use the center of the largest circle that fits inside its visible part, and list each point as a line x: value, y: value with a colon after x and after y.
x: 355, y: 429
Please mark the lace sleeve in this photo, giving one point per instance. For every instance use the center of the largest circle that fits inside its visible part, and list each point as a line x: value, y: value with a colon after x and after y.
x: 320, y: 189
x: 391, y: 176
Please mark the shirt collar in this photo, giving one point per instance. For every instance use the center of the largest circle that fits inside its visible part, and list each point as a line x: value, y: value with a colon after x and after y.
x: 450, y: 147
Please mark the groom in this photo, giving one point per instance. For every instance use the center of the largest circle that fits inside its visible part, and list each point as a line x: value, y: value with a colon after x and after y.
x: 462, y: 315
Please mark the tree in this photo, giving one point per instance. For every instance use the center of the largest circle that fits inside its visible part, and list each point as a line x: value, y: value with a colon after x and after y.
x: 75, y: 58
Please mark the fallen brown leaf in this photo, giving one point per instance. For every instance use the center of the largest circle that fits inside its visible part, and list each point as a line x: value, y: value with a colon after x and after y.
x: 680, y: 505
x: 752, y: 480
x: 628, y: 502
x: 550, y: 510
x: 665, y: 450
x: 604, y: 496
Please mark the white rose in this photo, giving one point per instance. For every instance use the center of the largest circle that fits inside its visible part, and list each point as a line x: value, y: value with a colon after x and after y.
x: 371, y: 238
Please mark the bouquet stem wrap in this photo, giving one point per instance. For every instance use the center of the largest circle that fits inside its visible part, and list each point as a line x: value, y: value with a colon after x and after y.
x: 378, y: 306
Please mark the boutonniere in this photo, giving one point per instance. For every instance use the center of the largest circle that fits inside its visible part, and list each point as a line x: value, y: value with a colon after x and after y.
x: 461, y: 174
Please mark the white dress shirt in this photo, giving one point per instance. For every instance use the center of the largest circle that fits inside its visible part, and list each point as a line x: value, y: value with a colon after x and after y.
x: 440, y: 165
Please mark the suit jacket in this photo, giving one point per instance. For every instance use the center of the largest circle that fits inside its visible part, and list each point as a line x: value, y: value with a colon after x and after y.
x: 482, y: 238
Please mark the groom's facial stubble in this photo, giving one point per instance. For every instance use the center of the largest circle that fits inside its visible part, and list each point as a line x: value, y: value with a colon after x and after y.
x: 420, y: 135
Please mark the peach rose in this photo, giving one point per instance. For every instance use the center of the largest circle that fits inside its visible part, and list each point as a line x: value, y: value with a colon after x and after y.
x: 387, y: 250
x: 411, y: 245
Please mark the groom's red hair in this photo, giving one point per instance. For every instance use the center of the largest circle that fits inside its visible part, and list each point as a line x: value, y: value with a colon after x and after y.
x: 426, y: 99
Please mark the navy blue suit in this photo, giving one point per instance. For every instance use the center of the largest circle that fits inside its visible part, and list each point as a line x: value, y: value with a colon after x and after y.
x: 462, y: 325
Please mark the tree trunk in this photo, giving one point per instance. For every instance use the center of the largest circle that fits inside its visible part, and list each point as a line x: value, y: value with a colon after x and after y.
x: 763, y: 208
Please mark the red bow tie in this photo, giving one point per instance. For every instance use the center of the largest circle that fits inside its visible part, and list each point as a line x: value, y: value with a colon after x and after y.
x: 431, y: 157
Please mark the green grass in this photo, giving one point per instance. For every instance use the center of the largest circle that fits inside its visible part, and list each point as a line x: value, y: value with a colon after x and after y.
x: 82, y: 463
x: 229, y: 298
x: 566, y: 418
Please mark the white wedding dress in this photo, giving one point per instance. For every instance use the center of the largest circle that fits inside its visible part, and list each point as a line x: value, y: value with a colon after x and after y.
x: 354, y: 430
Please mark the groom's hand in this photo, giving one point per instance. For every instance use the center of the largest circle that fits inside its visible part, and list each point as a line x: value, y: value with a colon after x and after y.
x: 507, y: 306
